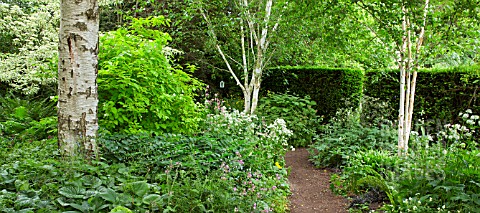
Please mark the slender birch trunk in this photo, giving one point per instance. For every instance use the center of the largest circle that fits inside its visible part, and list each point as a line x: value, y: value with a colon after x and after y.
x: 257, y: 45
x: 77, y: 73
x: 401, y: 112
x: 408, y: 66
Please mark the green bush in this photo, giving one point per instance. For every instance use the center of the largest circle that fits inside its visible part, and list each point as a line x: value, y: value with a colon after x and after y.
x: 437, y: 178
x: 345, y: 136
x: 138, y: 88
x: 328, y: 87
x: 222, y: 168
x: 298, y: 113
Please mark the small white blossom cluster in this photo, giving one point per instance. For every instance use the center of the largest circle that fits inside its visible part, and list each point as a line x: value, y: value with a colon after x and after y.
x: 247, y: 126
x: 36, y: 37
x: 279, y: 132
x: 471, y: 120
x: 233, y: 122
x: 459, y: 134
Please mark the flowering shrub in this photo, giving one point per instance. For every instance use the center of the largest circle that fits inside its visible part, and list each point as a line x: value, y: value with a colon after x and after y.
x: 29, y: 38
x: 298, y: 112
x: 234, y: 164
x: 438, y: 174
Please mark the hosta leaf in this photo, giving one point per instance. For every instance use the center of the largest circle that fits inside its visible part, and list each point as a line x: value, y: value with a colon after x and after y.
x: 29, y: 210
x: 91, y: 181
x: 139, y: 188
x: 153, y: 198
x: 108, y: 195
x: 24, y: 201
x: 72, y: 192
x: 83, y: 208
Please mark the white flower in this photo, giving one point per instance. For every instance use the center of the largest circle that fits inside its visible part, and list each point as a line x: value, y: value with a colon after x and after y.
x: 465, y: 115
x: 468, y: 111
x: 475, y: 117
x: 470, y: 122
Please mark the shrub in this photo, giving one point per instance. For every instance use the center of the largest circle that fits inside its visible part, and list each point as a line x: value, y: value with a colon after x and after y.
x: 234, y: 163
x: 345, y: 136
x: 236, y: 172
x: 299, y: 114
x: 439, y: 174
x: 138, y: 88
x: 328, y: 87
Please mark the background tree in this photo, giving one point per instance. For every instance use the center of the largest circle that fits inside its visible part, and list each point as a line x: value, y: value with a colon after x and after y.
x: 408, y: 26
x: 257, y: 21
x: 77, y: 73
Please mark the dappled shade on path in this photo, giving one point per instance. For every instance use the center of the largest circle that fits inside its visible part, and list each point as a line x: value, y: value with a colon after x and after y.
x: 311, y: 187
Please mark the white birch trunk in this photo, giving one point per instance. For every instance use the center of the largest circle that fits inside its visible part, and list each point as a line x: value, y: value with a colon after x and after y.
x: 413, y: 82
x: 77, y: 73
x: 401, y: 113
x: 257, y: 43
x: 408, y: 71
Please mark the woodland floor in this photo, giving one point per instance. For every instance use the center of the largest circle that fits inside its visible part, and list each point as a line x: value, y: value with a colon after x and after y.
x: 311, y: 186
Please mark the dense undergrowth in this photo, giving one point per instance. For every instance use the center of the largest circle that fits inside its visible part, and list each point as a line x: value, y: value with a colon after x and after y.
x: 440, y: 173
x: 234, y: 164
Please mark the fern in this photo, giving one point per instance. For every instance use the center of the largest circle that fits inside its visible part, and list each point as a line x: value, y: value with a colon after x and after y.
x: 377, y: 181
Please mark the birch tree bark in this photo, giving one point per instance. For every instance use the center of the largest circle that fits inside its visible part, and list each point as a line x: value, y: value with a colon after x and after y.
x: 77, y: 78
x: 255, y: 37
x: 408, y: 66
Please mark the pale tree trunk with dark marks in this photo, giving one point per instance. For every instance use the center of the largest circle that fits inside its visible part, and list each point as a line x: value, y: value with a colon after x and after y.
x: 255, y: 36
x: 77, y: 78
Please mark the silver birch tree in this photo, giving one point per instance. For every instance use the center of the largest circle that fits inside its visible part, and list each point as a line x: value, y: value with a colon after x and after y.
x: 408, y: 66
x: 77, y: 78
x: 256, y: 29
x: 408, y: 50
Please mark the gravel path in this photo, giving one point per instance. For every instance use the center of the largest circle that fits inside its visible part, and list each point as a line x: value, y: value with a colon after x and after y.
x: 311, y: 187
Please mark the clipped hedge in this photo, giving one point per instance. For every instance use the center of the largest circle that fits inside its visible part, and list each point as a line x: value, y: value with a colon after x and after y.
x: 441, y: 94
x: 330, y: 88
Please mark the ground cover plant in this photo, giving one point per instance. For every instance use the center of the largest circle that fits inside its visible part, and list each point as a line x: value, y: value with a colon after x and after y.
x: 439, y: 174
x: 234, y: 164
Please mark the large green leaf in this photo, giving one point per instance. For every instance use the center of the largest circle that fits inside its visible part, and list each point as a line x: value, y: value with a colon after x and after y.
x: 139, y: 188
x: 72, y: 192
x: 154, y: 198
x: 108, y: 195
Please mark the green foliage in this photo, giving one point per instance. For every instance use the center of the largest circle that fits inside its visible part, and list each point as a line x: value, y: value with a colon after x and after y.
x: 437, y: 175
x: 138, y: 89
x: 29, y: 38
x: 367, y: 164
x: 298, y: 113
x: 441, y: 94
x: 329, y: 88
x: 234, y: 164
x: 345, y: 136
x: 30, y: 119
x: 209, y: 170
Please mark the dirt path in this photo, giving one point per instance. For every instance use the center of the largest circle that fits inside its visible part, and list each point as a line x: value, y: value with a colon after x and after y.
x: 310, y: 186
